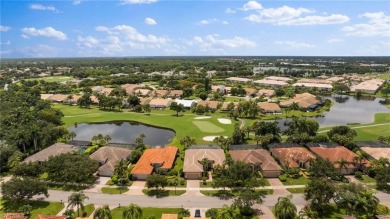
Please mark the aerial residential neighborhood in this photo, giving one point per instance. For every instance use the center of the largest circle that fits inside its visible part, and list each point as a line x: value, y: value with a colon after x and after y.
x: 149, y: 109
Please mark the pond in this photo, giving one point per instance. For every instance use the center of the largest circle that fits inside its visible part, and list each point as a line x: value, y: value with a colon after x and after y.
x: 347, y: 110
x: 123, y: 132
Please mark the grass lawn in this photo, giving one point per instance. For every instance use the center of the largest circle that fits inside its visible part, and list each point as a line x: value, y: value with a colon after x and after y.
x: 146, y: 212
x: 234, y: 99
x: 108, y: 190
x: 296, y: 190
x: 208, y: 127
x: 88, y: 209
x: 208, y: 184
x: 367, y: 179
x: 38, y: 207
x: 300, y: 181
x: 162, y: 193
x: 183, y: 125
x: 52, y: 79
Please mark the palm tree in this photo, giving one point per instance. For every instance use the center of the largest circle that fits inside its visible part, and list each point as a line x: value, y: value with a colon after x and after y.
x: 227, y: 212
x: 77, y: 199
x: 206, y: 165
x: 72, y: 135
x: 342, y: 163
x: 132, y: 212
x: 284, y: 208
x: 102, y: 213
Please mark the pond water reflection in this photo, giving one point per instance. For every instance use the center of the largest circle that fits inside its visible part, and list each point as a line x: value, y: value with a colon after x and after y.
x: 123, y: 132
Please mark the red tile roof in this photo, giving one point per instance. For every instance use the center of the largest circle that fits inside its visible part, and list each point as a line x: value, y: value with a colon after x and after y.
x: 293, y: 155
x: 334, y: 154
x: 164, y: 156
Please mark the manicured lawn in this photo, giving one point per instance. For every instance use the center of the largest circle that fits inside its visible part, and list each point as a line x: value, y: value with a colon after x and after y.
x: 229, y: 193
x: 88, y: 209
x: 183, y: 125
x: 300, y: 181
x: 52, y: 79
x: 207, y: 127
x: 296, y: 190
x: 38, y: 207
x: 208, y: 184
x: 162, y: 193
x: 367, y: 179
x: 146, y: 212
x: 108, y: 190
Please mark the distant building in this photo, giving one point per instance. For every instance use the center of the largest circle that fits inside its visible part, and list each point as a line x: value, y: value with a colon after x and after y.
x: 370, y: 86
x: 238, y: 80
x: 270, y: 83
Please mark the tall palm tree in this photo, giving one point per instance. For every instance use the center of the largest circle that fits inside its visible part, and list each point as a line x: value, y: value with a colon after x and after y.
x: 228, y: 212
x: 103, y: 212
x: 132, y: 212
x: 342, y: 164
x: 72, y: 135
x: 284, y: 208
x: 77, y: 199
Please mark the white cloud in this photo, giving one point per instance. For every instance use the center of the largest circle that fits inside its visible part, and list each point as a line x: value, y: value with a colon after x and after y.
x: 334, y: 40
x: 215, y: 43
x: 120, y: 39
x: 294, y: 44
x: 230, y: 11
x: 211, y: 21
x: 45, y: 32
x: 277, y: 15
x: 6, y: 43
x: 150, y: 21
x: 378, y: 24
x: 251, y: 5
x: 76, y: 2
x: 317, y: 20
x: 43, y: 8
x: 41, y: 51
x: 385, y: 43
x: 4, y: 28
x: 127, y: 2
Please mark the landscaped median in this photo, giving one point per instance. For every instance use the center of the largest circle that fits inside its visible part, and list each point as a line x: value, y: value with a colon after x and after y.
x: 231, y: 193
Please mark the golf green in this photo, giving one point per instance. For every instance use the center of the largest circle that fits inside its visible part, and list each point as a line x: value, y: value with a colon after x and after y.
x: 208, y: 127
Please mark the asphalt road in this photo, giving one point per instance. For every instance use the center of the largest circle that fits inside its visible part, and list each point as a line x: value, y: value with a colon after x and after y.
x: 175, y: 201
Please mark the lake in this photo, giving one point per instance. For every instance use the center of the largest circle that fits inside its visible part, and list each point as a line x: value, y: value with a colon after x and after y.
x: 124, y: 132
x: 347, y: 110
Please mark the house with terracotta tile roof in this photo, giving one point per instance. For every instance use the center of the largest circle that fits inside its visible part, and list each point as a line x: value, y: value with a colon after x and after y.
x: 291, y: 155
x: 305, y: 101
x: 368, y: 86
x: 175, y: 93
x: 265, y: 93
x: 250, y: 91
x: 334, y: 154
x: 142, y: 92
x: 53, y: 150
x: 375, y: 150
x: 212, y: 104
x: 169, y: 216
x: 160, y: 103
x: 272, y: 108
x: 218, y: 88
x: 108, y: 158
x: 161, y: 93
x: 45, y: 96
x: 143, y: 101
x: 258, y: 158
x: 152, y: 159
x: 238, y: 80
x: 270, y: 83
x: 194, y: 155
x: 130, y: 88
x: 225, y: 105
x: 74, y: 99
x: 58, y: 98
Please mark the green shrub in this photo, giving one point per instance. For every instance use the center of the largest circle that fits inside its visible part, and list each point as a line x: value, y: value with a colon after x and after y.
x: 358, y: 175
x: 91, y: 149
x: 382, y: 210
x: 283, y: 178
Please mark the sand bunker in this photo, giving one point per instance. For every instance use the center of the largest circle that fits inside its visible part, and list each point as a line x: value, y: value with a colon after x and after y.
x: 225, y: 121
x: 211, y: 138
x: 203, y: 117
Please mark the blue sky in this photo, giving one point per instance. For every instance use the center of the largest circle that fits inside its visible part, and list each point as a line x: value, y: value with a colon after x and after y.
x: 83, y: 28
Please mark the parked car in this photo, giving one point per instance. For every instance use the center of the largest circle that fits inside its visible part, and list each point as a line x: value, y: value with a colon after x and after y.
x: 197, y: 213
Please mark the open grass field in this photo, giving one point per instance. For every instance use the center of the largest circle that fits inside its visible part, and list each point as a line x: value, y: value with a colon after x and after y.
x: 183, y: 125
x: 52, y: 79
x: 146, y: 212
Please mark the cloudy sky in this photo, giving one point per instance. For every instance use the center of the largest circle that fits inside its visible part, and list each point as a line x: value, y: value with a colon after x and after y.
x: 84, y: 28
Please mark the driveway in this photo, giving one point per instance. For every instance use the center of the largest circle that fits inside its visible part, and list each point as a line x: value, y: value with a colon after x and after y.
x: 193, y: 188
x: 99, y: 184
x: 278, y: 187
x: 136, y: 188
